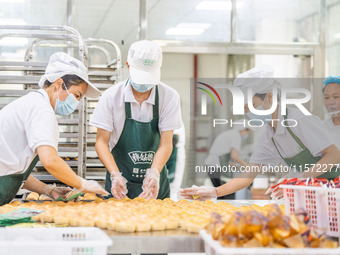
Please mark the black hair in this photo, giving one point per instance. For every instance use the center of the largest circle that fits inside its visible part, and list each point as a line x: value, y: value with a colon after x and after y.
x: 69, y: 80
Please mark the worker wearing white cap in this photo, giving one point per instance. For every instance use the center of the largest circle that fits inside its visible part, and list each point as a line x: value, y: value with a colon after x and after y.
x: 296, y: 147
x: 225, y: 148
x: 28, y: 127
x: 135, y: 120
x: 331, y: 93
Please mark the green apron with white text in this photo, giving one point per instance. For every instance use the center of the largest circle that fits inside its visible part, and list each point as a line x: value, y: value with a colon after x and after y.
x: 304, y: 158
x: 10, y: 184
x: 135, y: 151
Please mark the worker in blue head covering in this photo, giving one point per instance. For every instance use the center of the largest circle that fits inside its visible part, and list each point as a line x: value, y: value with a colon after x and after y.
x: 331, y: 95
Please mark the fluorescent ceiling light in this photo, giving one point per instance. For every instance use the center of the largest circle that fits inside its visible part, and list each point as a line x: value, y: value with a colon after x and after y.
x: 13, y: 41
x: 12, y: 1
x: 12, y: 21
x: 188, y: 29
x: 337, y: 36
x: 217, y: 5
x: 194, y: 25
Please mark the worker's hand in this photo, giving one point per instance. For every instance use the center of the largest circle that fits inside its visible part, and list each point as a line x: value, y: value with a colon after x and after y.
x: 150, y: 184
x: 54, y: 192
x: 92, y: 187
x: 118, y: 185
x: 275, y: 191
x: 200, y: 193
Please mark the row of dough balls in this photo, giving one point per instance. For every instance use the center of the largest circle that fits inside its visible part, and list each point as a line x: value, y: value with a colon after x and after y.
x: 135, y: 215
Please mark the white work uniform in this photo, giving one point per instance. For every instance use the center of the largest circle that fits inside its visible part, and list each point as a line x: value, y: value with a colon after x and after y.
x: 222, y: 145
x: 310, y: 130
x: 110, y: 111
x: 333, y: 131
x: 26, y: 124
x: 180, y: 163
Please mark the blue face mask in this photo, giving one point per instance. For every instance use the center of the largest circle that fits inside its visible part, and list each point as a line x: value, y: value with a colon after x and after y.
x: 68, y: 106
x: 265, y: 118
x: 244, y: 138
x: 141, y: 87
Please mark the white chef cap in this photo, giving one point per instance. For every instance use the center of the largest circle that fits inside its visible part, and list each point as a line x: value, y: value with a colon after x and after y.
x: 61, y: 64
x: 259, y: 79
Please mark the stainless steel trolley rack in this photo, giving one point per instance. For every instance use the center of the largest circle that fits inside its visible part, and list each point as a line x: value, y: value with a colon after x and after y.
x: 103, y: 76
x: 25, y: 75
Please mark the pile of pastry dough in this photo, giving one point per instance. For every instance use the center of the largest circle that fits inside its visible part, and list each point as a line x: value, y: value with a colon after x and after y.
x: 269, y: 229
x: 131, y: 215
x: 36, y: 196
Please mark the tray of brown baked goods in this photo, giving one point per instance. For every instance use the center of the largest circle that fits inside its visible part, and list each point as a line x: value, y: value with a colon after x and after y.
x: 35, y: 197
x: 146, y: 226
x: 130, y: 216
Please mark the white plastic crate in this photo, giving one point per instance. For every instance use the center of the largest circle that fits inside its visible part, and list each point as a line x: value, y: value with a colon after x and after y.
x: 322, y: 204
x: 213, y: 247
x: 53, y: 241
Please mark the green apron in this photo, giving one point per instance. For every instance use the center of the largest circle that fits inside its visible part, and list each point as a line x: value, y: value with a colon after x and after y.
x: 304, y: 157
x: 224, y: 161
x: 135, y: 150
x: 10, y: 184
x: 171, y: 164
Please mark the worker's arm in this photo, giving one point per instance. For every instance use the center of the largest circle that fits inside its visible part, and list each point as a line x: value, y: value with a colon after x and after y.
x: 57, y: 167
x: 235, y: 156
x: 164, y: 150
x: 243, y: 180
x: 103, y: 150
x: 33, y: 184
x: 330, y: 158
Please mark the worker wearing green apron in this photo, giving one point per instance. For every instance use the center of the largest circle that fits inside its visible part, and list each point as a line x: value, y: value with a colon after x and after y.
x: 135, y: 121
x: 138, y: 137
x: 309, y: 143
x: 10, y: 184
x: 29, y: 127
x: 304, y: 158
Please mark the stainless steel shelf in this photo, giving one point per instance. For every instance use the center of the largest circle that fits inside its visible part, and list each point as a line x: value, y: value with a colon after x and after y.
x: 68, y: 121
x: 19, y: 79
x: 13, y: 92
x: 42, y: 65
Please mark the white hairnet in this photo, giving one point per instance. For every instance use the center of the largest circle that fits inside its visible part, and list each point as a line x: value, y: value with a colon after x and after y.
x: 259, y: 79
x: 61, y: 64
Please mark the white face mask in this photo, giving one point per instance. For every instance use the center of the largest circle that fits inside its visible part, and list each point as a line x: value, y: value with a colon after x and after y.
x: 332, y: 106
x: 265, y: 118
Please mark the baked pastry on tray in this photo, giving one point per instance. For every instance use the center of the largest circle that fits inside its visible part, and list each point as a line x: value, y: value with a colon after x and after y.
x: 126, y: 215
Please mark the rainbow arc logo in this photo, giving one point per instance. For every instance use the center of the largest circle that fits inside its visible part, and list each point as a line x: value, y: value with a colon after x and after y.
x: 209, y: 93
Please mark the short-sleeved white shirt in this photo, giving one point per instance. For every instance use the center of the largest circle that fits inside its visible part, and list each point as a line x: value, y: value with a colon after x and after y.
x: 26, y: 124
x: 334, y: 131
x: 110, y: 111
x: 222, y: 145
x: 310, y: 130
